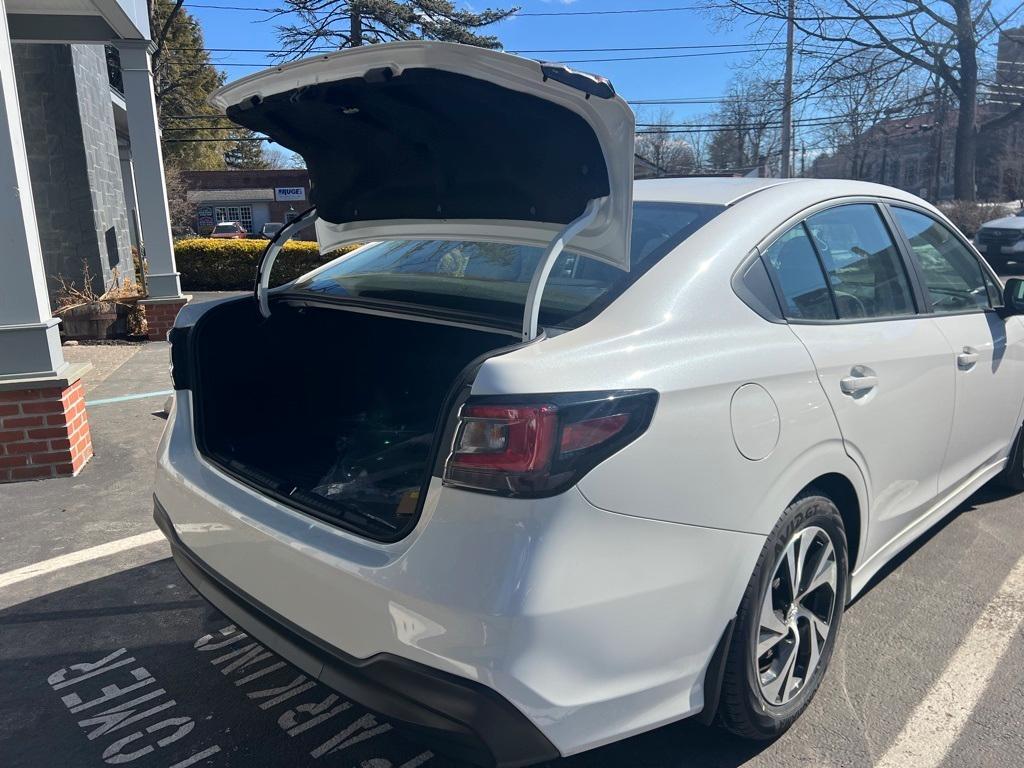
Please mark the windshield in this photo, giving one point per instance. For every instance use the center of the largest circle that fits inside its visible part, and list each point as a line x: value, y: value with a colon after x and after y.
x: 492, y: 279
x: 223, y: 229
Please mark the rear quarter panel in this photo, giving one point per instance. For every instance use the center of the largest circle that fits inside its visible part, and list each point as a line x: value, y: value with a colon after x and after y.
x: 682, y: 331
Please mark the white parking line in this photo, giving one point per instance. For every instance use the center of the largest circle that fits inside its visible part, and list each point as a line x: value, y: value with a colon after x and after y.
x: 940, y: 717
x: 74, y: 558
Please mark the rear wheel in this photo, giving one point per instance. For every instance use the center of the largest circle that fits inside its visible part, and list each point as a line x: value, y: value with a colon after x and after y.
x: 788, y: 621
x: 1013, y: 476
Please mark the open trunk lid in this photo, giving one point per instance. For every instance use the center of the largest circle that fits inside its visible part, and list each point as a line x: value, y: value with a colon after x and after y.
x: 426, y: 140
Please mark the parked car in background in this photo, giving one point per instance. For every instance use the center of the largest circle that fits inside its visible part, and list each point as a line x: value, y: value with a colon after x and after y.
x: 557, y: 458
x: 230, y: 230
x: 270, y: 229
x: 1002, y: 240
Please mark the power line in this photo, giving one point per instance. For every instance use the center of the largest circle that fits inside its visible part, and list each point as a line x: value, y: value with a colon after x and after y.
x: 679, y: 128
x: 701, y: 54
x: 219, y: 7
x: 748, y: 46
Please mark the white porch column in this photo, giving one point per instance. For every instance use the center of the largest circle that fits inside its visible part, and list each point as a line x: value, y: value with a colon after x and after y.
x: 131, y: 200
x: 29, y: 338
x: 144, y: 132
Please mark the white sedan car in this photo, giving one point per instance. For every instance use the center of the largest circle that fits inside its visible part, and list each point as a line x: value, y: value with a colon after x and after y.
x: 556, y: 458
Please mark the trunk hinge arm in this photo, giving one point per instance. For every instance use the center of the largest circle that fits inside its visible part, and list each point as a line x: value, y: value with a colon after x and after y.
x: 531, y: 312
x: 269, y: 256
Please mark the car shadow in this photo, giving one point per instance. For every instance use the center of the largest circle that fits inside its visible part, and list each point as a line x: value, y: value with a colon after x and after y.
x: 983, y: 495
x: 152, y: 613
x: 686, y: 744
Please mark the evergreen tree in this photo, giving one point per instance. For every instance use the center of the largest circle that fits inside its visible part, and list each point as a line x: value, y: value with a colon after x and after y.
x: 183, y: 78
x: 351, y: 23
x: 246, y: 152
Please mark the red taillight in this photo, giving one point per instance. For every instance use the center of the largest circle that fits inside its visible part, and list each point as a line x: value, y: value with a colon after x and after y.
x: 506, y: 438
x: 536, y: 449
x: 585, y: 434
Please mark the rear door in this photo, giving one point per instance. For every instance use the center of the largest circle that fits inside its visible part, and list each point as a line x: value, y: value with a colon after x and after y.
x: 884, y: 367
x: 988, y: 350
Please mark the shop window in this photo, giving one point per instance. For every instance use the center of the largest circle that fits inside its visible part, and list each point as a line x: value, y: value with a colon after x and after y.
x: 240, y: 213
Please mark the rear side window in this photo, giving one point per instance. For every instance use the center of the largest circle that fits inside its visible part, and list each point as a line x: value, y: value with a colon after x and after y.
x: 864, y: 266
x: 805, y: 294
x: 953, y: 276
x: 492, y: 279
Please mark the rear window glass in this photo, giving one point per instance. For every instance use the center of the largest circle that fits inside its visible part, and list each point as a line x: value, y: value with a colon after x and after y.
x: 223, y: 229
x: 492, y: 279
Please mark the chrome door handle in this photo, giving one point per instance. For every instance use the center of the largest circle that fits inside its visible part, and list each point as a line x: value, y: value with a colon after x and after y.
x: 855, y: 385
x: 967, y: 359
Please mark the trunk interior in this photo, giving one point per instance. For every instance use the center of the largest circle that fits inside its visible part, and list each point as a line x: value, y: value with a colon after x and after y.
x: 333, y: 412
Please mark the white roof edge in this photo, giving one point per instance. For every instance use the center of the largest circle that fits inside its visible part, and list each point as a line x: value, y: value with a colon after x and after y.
x: 749, y: 192
x: 728, y: 191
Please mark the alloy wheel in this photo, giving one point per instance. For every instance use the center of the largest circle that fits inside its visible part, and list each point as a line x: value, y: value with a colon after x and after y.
x: 797, y: 613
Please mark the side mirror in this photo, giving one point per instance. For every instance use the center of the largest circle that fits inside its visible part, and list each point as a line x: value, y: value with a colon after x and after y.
x: 1013, y: 296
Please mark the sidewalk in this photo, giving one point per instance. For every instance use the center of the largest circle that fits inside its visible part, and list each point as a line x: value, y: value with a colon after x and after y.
x: 111, y: 497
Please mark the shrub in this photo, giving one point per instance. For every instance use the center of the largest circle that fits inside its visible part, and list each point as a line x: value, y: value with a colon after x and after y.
x: 208, y: 264
x: 969, y: 216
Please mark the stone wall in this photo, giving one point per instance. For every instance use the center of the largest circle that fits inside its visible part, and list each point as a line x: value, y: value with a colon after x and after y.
x: 73, y: 161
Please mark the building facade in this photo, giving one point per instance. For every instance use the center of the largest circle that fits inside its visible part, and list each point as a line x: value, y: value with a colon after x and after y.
x: 74, y: 156
x: 58, y: 123
x: 916, y: 153
x: 251, y: 197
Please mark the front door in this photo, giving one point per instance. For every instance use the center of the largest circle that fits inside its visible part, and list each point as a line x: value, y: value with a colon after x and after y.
x: 988, y: 351
x: 884, y: 368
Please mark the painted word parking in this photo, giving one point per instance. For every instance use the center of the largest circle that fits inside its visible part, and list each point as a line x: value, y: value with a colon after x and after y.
x: 271, y: 684
x: 109, y: 695
x: 121, y: 708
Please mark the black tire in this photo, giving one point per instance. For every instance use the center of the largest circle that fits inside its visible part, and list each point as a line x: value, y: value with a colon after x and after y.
x: 743, y: 708
x: 1012, y: 476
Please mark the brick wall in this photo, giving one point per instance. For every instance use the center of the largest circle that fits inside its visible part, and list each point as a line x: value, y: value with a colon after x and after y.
x: 43, y: 433
x: 160, y: 317
x: 247, y: 179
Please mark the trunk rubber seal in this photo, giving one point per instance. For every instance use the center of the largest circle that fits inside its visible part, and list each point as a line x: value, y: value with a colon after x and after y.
x: 444, y: 430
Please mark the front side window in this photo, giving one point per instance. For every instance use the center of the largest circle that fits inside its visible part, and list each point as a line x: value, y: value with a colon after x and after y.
x: 492, y: 279
x: 953, y: 277
x: 864, y: 267
x: 805, y: 294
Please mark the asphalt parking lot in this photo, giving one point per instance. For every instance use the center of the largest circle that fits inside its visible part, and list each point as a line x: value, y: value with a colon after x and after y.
x: 929, y: 670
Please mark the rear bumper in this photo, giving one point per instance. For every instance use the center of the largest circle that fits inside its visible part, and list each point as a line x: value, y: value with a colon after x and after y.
x: 465, y: 719
x: 593, y: 625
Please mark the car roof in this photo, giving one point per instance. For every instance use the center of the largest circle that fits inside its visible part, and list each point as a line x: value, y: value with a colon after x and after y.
x: 724, y: 190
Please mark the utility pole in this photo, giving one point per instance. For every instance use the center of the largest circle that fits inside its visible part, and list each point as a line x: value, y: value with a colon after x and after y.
x: 787, y: 94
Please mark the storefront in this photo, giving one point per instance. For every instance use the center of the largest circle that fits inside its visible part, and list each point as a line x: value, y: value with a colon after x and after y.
x: 252, y: 198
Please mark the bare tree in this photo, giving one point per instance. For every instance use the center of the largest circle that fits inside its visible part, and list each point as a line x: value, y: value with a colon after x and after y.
x: 658, y: 144
x: 943, y: 38
x: 747, y: 126
x: 181, y: 212
x: 700, y: 143
x: 859, y: 93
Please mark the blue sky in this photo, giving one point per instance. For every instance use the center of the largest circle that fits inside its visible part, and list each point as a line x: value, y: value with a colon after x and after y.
x: 658, y: 78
